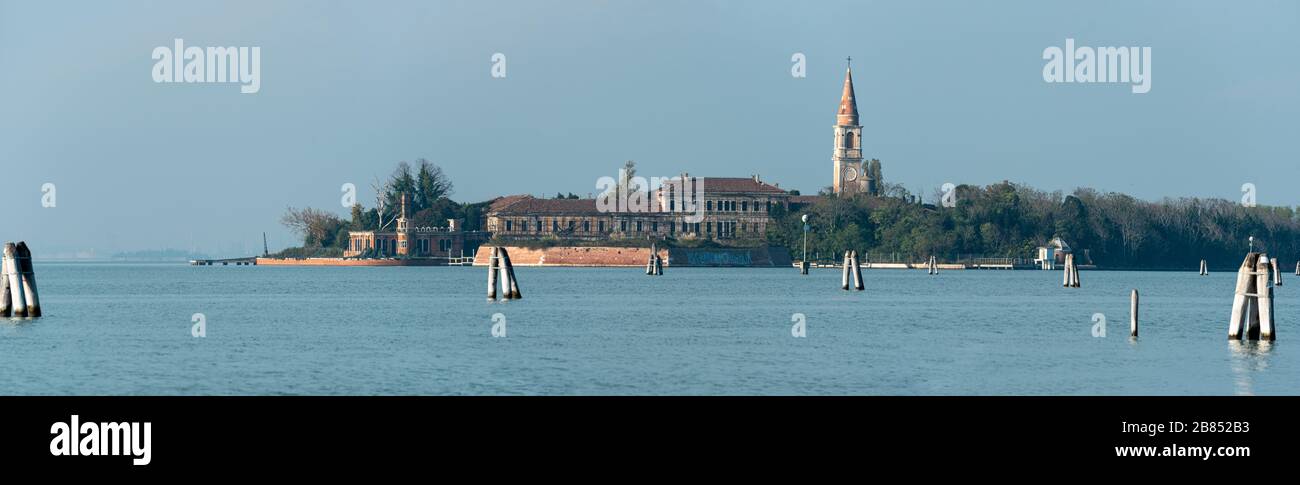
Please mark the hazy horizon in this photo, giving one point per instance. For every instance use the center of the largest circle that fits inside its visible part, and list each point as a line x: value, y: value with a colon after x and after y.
x: 947, y: 91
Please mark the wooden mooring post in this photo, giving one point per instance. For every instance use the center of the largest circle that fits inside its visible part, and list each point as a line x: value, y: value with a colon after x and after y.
x: 1205, y: 270
x: 1252, y: 303
x: 848, y: 267
x: 1133, y: 314
x: 12, y: 296
x: 27, y: 274
x: 18, y: 295
x: 493, y: 269
x: 857, y: 272
x: 509, y: 286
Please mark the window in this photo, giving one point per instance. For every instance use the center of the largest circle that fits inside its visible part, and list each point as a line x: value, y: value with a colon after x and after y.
x: 539, y: 225
x: 638, y: 226
x: 508, y: 226
x: 709, y: 227
x: 622, y: 226
x: 601, y: 226
x: 586, y: 226
x: 708, y: 205
x: 444, y: 245
x: 654, y: 226
x: 744, y: 204
x: 424, y: 245
x: 571, y: 223
x: 555, y: 225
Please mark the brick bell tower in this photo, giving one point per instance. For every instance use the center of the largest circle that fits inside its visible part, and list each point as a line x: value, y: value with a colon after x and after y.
x: 850, y: 174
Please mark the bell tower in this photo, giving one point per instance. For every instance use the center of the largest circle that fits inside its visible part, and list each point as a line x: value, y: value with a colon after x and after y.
x: 850, y: 177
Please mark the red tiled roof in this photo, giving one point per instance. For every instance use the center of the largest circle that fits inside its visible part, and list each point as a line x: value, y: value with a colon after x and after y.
x: 714, y: 185
x: 527, y: 204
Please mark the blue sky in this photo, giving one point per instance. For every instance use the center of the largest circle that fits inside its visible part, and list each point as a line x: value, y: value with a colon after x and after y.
x: 948, y: 92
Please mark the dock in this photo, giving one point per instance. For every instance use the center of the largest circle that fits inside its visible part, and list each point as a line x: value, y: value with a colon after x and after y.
x: 249, y: 261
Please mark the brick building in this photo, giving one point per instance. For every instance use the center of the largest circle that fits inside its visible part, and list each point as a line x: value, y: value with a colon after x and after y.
x: 732, y: 209
x: 416, y: 242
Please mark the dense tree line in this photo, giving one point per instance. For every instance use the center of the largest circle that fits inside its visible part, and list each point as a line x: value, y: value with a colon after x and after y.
x: 1010, y: 220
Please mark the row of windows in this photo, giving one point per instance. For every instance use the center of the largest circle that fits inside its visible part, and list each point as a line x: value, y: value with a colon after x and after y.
x: 729, y: 205
x: 723, y: 228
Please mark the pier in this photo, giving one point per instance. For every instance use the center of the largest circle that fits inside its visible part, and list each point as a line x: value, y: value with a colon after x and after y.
x: 249, y: 261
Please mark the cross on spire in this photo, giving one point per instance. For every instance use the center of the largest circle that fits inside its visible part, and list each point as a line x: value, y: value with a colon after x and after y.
x: 850, y: 60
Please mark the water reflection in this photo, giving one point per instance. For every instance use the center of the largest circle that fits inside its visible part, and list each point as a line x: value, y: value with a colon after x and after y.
x: 1248, y: 358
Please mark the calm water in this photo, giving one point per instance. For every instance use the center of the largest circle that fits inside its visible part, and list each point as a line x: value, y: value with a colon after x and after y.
x: 125, y: 329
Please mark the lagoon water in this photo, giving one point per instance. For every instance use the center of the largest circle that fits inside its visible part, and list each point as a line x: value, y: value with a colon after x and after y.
x: 117, y: 328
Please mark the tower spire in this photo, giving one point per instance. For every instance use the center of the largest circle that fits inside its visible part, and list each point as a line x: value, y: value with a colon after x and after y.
x: 848, y: 113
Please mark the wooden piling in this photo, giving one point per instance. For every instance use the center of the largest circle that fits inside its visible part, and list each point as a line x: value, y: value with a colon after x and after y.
x: 1276, y: 267
x: 803, y: 267
x: 1065, y: 270
x: 6, y: 299
x: 509, y: 285
x: 1205, y: 270
x: 844, y: 279
x: 493, y: 267
x: 650, y: 262
x: 18, y: 299
x: 857, y: 272
x: 1240, y: 299
x: 27, y: 273
x: 1133, y: 314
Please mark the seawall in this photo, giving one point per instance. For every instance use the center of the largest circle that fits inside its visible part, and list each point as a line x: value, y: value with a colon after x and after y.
x: 619, y: 257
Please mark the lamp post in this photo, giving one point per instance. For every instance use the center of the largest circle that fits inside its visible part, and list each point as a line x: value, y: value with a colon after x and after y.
x: 803, y: 263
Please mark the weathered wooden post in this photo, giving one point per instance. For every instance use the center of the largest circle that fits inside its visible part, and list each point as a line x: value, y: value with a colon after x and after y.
x: 1205, y: 270
x: 1065, y: 271
x: 1262, y: 324
x: 509, y: 286
x: 1297, y: 268
x: 844, y: 279
x: 1239, y: 298
x: 1251, y: 283
x: 1276, y: 267
x: 1071, y: 271
x: 1133, y: 314
x: 857, y: 273
x: 659, y: 264
x: 17, y: 300
x: 27, y: 273
x: 493, y: 267
x: 6, y: 299
x: 650, y: 262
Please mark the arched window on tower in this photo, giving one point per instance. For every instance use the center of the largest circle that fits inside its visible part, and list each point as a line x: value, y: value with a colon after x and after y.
x: 848, y: 140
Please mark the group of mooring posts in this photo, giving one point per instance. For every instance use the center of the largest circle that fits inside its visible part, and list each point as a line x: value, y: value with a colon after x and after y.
x: 1205, y: 270
x: 852, y: 267
x: 18, y: 296
x: 1252, y: 305
x: 655, y: 265
x: 932, y: 265
x: 499, y: 267
x: 1071, y: 272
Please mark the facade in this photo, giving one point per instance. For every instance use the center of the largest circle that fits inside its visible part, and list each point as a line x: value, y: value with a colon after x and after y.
x: 732, y: 209
x: 1052, y: 254
x: 419, y: 242
x: 852, y: 175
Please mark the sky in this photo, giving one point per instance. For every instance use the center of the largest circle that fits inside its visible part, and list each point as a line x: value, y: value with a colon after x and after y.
x: 948, y: 91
